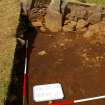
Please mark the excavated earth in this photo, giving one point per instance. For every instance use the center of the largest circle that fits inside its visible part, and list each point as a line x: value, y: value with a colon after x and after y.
x: 74, y: 59
x: 70, y: 60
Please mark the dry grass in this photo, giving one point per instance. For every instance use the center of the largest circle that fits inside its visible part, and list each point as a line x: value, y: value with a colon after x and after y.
x: 9, y: 15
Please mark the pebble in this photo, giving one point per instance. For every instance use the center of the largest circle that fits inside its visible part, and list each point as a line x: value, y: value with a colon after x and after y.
x: 41, y: 53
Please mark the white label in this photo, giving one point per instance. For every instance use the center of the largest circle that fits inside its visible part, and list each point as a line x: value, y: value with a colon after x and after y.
x: 47, y: 92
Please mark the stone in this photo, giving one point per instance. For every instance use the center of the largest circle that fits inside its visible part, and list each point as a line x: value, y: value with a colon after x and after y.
x: 81, y: 24
x: 53, y: 18
x: 92, y: 30
x: 94, y: 18
x: 88, y: 34
x: 53, y: 21
x: 80, y: 2
x: 66, y: 22
x: 69, y: 27
x: 21, y: 41
x: 55, y: 5
x: 43, y: 29
x: 103, y: 19
x: 103, y: 14
x: 96, y: 30
x: 37, y: 23
x: 78, y: 11
x: 94, y: 9
x: 71, y: 18
x: 41, y: 53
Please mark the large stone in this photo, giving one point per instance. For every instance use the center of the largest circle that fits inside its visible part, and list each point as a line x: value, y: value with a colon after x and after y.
x: 96, y: 30
x: 53, y: 20
x: 81, y: 24
x: 55, y: 5
x: 70, y: 26
x: 78, y: 11
x: 94, y: 9
x: 67, y: 22
x: 103, y: 14
x: 95, y: 18
x: 71, y: 17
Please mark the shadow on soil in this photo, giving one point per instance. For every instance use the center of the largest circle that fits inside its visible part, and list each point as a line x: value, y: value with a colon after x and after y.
x: 15, y: 90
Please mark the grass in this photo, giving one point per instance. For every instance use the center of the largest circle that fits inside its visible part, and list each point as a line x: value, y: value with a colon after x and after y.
x: 9, y: 14
x: 99, y: 2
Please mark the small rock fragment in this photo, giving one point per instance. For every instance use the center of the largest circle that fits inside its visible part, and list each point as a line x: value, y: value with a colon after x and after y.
x: 62, y: 44
x: 43, y: 29
x: 37, y: 24
x: 41, y: 53
x: 21, y: 41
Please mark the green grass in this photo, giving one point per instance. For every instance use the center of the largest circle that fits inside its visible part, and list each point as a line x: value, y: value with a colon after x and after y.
x: 99, y: 2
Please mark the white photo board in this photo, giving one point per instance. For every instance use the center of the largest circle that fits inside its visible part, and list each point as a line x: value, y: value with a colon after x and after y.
x: 47, y: 92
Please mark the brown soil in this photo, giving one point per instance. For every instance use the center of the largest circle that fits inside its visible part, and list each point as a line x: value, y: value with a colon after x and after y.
x: 71, y: 60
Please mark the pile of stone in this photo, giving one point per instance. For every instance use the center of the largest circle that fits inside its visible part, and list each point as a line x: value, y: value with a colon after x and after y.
x: 80, y: 18
x: 74, y: 18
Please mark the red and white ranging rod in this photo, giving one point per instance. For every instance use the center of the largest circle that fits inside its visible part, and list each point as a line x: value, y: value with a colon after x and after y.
x: 67, y: 102
x: 25, y: 74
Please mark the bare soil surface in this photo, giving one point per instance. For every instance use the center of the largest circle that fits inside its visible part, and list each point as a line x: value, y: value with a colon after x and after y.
x: 68, y: 58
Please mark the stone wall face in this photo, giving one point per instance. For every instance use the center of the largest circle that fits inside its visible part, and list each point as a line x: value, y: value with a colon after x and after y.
x: 75, y: 18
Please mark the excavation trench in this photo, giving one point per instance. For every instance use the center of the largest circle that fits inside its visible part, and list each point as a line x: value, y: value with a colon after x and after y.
x: 68, y: 58
x: 71, y: 61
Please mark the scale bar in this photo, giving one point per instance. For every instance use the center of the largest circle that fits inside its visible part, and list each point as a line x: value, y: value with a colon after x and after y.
x: 68, y: 102
x: 89, y: 99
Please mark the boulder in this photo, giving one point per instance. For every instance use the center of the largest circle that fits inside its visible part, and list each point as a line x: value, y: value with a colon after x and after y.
x: 70, y: 26
x: 94, y: 9
x: 96, y: 30
x: 78, y: 11
x: 103, y: 14
x: 95, y: 18
x: 55, y: 5
x: 53, y: 18
x: 81, y: 25
x: 53, y: 21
